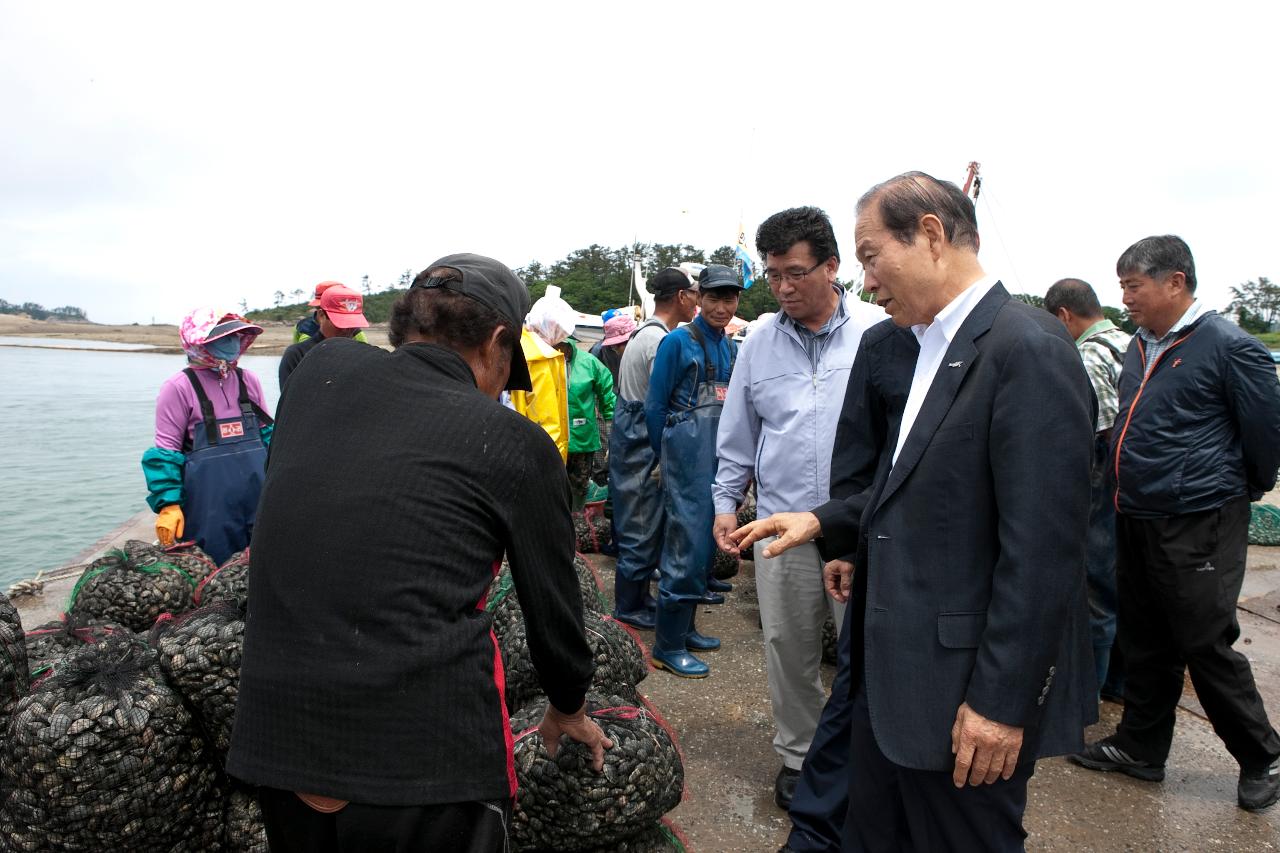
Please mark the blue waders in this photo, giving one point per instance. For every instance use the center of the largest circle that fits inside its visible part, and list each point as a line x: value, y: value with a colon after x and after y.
x: 637, y: 513
x: 689, y: 452
x: 223, y: 475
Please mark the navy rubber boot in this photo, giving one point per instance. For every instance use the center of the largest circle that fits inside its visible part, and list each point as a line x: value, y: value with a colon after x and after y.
x: 699, y: 642
x: 630, y: 608
x: 669, y: 650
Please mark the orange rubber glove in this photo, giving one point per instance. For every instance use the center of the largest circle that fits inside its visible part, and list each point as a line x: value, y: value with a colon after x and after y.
x: 169, y: 524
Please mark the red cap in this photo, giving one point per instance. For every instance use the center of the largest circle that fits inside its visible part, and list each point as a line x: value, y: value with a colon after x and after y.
x: 320, y: 289
x: 344, y: 307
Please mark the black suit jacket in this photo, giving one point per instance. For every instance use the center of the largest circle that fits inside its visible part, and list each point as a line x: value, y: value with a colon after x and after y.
x: 970, y: 550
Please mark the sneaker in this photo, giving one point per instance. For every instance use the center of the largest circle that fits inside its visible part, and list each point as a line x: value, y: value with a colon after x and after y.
x: 1259, y: 788
x: 1105, y: 755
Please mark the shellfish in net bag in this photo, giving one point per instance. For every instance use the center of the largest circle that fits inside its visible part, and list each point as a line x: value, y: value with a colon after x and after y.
x: 563, y: 805
x: 103, y: 755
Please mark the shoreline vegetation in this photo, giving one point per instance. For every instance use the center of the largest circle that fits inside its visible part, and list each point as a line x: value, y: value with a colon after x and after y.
x: 163, y: 338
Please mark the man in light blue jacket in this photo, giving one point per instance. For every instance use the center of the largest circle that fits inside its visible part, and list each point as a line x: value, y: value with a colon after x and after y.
x: 778, y: 427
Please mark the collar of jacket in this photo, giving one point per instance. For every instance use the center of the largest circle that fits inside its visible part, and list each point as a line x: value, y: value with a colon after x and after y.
x: 715, y: 334
x: 440, y: 359
x: 1182, y: 332
x: 788, y: 326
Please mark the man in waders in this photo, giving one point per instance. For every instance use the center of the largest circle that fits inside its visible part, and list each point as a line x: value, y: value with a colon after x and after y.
x: 682, y: 411
x: 633, y: 466
x: 205, y: 471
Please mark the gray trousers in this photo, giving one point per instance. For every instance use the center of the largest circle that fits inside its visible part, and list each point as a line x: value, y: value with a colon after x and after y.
x: 793, y: 607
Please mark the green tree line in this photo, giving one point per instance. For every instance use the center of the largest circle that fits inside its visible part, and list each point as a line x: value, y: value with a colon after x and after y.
x: 38, y: 312
x: 592, y: 280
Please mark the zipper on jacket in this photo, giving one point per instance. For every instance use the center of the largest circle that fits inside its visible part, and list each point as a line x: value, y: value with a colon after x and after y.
x: 1142, y: 353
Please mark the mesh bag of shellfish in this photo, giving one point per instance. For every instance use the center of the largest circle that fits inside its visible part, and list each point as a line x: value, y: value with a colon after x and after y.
x: 200, y: 658
x: 15, y: 678
x: 245, y: 830
x: 662, y: 837
x: 131, y: 586
x: 724, y: 565
x: 746, y: 515
x: 747, y: 512
x: 829, y: 639
x: 590, y: 584
x: 103, y: 755
x: 591, y: 529
x: 189, y: 557
x: 228, y: 581
x: 48, y: 643
x: 621, y: 660
x: 501, y: 602
x: 563, y: 805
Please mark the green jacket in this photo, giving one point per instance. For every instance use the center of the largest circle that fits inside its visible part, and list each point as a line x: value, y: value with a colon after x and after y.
x: 590, y: 385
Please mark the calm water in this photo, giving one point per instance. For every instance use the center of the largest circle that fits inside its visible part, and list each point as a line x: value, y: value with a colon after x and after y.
x: 73, y: 426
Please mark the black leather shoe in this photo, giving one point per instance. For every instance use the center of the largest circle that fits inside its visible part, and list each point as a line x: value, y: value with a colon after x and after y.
x: 1259, y: 788
x: 716, y: 585
x: 1105, y: 755
x: 711, y: 598
x: 784, y: 787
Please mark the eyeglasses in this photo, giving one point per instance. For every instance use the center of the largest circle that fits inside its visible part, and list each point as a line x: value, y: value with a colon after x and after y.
x: 792, y: 276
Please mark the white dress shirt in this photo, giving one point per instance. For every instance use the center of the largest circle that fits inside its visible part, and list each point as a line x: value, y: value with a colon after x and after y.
x: 935, y: 338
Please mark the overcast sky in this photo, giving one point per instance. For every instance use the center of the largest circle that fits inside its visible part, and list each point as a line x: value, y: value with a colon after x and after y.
x: 159, y: 156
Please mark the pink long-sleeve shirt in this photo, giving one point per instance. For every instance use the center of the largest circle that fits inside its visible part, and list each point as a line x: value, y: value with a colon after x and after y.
x: 178, y: 410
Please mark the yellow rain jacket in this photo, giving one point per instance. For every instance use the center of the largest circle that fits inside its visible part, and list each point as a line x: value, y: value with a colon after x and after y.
x: 547, y: 404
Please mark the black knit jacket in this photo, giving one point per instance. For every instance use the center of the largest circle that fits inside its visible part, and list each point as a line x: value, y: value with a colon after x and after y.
x: 393, y: 489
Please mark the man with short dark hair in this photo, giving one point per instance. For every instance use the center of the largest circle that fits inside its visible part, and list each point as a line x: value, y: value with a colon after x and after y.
x: 777, y: 429
x: 371, y: 710
x: 967, y: 620
x: 1102, y: 347
x: 691, y: 373
x: 1198, y: 439
x: 634, y: 484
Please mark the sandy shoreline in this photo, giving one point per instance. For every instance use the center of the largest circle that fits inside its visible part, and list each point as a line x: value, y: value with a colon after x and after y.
x: 274, y: 339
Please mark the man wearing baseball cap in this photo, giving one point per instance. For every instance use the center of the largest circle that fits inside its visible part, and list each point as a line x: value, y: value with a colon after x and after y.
x: 339, y: 314
x: 634, y: 487
x: 371, y: 695
x: 309, y: 326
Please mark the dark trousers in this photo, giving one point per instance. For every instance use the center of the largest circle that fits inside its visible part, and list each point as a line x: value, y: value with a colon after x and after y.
x: 821, y: 799
x: 1100, y: 559
x: 893, y: 808
x: 294, y: 827
x: 1179, y: 582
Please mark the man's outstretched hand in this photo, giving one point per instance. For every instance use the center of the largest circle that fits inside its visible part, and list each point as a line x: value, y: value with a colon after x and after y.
x: 791, y: 528
x: 578, y: 726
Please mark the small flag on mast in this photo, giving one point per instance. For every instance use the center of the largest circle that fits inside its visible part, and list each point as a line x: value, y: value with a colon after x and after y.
x: 744, y: 259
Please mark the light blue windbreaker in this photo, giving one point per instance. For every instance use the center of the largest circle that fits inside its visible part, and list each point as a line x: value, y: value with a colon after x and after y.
x: 779, y: 420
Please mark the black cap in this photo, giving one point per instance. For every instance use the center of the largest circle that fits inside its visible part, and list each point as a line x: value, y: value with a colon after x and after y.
x: 669, y: 281
x: 715, y: 276
x: 493, y: 285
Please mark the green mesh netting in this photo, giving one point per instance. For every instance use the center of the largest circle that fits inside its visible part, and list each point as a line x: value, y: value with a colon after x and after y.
x: 1264, y: 525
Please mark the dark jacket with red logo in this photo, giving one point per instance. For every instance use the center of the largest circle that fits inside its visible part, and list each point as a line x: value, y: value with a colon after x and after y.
x: 1202, y: 428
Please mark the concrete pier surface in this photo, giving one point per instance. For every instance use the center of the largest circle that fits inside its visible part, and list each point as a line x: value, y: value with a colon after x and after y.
x: 725, y: 728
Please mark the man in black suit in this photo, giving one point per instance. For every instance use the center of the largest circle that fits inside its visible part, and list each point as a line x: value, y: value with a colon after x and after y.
x: 971, y: 654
